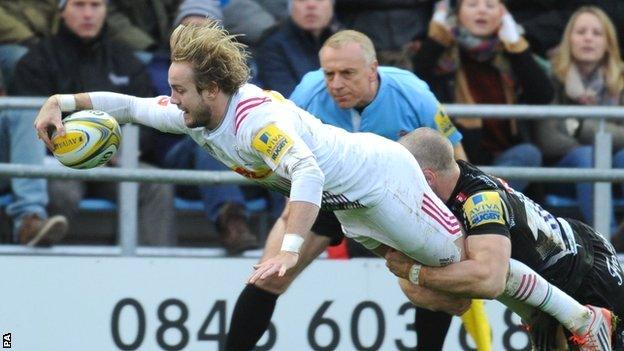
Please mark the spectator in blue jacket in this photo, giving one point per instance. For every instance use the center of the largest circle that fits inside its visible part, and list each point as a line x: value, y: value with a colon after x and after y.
x: 290, y: 49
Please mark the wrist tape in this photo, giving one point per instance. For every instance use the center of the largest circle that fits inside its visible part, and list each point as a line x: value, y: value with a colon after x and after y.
x: 292, y: 243
x: 66, y: 102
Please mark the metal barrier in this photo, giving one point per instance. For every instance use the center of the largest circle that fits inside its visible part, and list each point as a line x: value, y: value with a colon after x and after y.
x: 602, y: 174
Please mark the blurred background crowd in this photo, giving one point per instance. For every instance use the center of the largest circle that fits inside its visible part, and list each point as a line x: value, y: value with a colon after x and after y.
x: 467, y: 51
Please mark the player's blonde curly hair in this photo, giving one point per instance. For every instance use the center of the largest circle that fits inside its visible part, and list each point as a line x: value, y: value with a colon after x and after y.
x: 216, y: 56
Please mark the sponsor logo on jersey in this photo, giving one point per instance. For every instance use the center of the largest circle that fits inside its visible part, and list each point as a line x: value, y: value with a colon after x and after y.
x: 443, y: 122
x: 461, y: 197
x: 477, y: 199
x: 448, y: 260
x: 275, y: 95
x: 484, y: 207
x: 258, y: 174
x: 272, y: 142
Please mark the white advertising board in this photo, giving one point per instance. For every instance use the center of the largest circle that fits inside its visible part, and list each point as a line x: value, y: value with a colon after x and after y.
x: 104, y: 303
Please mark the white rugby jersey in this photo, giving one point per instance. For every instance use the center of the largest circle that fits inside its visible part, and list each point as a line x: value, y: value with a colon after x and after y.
x: 262, y: 135
x: 270, y: 140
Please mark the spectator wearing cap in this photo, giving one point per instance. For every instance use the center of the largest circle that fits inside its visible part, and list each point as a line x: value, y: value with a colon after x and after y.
x: 189, y: 11
x: 253, y: 17
x: 224, y: 204
x: 198, y: 11
x: 290, y: 50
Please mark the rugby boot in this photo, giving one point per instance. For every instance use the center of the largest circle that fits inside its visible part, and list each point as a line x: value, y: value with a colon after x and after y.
x: 596, y: 334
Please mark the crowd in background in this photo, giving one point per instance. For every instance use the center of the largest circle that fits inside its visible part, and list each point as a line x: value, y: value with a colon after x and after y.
x: 467, y: 51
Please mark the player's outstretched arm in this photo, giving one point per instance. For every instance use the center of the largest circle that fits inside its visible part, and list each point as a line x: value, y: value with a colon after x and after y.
x: 482, y: 275
x: 49, y: 118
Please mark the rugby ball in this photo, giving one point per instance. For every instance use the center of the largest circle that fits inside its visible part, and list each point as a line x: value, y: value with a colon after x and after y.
x: 91, y: 139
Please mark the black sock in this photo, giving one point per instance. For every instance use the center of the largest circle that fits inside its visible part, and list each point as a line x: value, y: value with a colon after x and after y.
x: 431, y: 328
x: 252, y: 315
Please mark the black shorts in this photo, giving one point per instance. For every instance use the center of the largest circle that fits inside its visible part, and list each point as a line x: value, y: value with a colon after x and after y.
x: 327, y: 224
x: 603, y: 285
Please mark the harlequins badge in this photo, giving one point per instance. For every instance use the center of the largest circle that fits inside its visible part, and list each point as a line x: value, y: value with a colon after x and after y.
x: 461, y: 197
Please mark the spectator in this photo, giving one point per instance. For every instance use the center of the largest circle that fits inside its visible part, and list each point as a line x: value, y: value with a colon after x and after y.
x: 82, y: 56
x: 189, y: 11
x: 392, y: 25
x: 587, y: 70
x: 544, y: 21
x: 158, y: 64
x: 18, y: 144
x: 478, y: 56
x: 142, y: 25
x: 22, y: 24
x: 291, y: 49
x: 198, y: 11
x: 224, y: 204
x: 252, y: 18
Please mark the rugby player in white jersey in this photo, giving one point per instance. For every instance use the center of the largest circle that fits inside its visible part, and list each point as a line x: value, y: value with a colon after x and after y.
x: 366, y: 178
x: 374, y: 185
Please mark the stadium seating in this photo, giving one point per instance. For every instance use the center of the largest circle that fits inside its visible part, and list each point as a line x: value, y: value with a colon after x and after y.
x: 98, y: 220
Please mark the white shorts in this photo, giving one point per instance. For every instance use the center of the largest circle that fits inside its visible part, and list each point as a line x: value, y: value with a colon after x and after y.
x: 406, y: 215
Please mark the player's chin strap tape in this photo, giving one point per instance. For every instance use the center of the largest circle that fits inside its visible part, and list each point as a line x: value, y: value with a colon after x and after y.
x: 66, y: 102
x: 292, y: 243
x: 414, y: 273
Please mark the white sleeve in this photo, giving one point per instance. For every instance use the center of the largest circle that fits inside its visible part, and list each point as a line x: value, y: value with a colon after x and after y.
x: 157, y: 112
x: 307, y: 179
x: 277, y: 142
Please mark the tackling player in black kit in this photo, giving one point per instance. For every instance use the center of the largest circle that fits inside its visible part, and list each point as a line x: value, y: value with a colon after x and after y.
x: 566, y: 252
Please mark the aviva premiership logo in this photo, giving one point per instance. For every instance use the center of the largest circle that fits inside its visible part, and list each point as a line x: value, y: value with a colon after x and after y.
x: 485, y: 207
x: 277, y: 146
x: 443, y: 122
x: 272, y: 143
